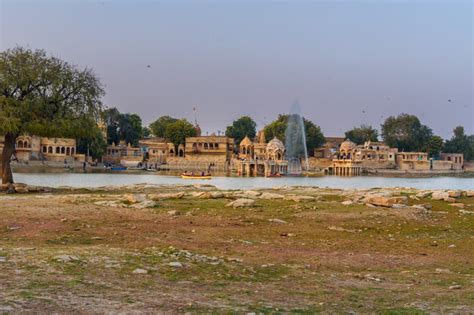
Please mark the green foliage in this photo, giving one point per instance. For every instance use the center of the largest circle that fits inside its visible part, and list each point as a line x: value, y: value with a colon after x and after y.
x: 46, y: 96
x: 159, y: 126
x: 460, y: 143
x: 406, y: 133
x: 95, y: 144
x: 361, y: 134
x: 277, y: 128
x: 244, y: 126
x: 434, y: 146
x: 126, y: 127
x: 177, y: 131
x: 146, y: 132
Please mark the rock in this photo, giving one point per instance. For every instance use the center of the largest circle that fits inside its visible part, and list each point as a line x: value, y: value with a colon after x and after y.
x: 249, y: 194
x: 140, y: 271
x: 454, y: 193
x: 21, y: 190
x: 386, y: 201
x: 242, y: 202
x: 65, y: 258
x: 144, y: 204
x: 267, y: 195
x: 427, y: 206
x: 465, y: 211
x: 3, y: 187
x: 455, y: 287
x: 175, y: 264
x: 298, y: 198
x: 3, y: 259
x: 442, y: 195
x: 457, y: 205
x: 347, y: 202
x: 423, y: 194
x: 212, y: 195
x: 470, y: 193
x: 440, y: 270
x: 399, y: 206
x: 173, y: 212
x: 131, y: 199
x: 161, y: 196
x: 277, y: 221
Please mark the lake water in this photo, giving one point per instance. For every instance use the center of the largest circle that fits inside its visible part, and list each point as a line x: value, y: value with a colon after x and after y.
x: 97, y: 180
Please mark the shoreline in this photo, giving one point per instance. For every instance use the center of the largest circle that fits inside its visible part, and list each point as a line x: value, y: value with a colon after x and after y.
x: 36, y: 169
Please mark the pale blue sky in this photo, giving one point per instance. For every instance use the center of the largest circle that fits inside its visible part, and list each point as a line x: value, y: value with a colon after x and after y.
x: 347, y: 62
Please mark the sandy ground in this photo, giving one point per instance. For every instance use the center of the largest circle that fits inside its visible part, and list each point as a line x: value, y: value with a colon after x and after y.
x: 101, y: 252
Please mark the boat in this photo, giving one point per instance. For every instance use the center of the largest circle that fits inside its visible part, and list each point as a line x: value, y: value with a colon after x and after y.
x: 189, y: 176
x: 118, y: 168
x: 274, y: 175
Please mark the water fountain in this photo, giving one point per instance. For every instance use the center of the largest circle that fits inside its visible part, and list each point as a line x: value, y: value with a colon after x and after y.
x: 295, y: 142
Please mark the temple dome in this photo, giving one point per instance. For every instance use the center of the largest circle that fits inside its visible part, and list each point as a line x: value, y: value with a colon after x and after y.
x: 347, y: 145
x: 275, y: 145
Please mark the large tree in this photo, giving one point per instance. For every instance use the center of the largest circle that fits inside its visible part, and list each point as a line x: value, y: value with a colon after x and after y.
x: 158, y: 127
x: 460, y: 143
x: 406, y: 133
x: 242, y: 127
x: 45, y: 96
x: 126, y: 127
x: 434, y: 146
x: 361, y: 134
x: 277, y: 128
x: 178, y: 131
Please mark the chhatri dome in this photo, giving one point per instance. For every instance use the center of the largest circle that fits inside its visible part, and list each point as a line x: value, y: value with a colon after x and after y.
x: 347, y: 145
x: 275, y: 145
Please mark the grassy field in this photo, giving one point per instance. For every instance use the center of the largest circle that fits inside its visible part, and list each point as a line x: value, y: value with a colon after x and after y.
x: 94, y: 252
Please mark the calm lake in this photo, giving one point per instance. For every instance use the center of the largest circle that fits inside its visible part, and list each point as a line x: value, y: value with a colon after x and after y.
x: 97, y: 180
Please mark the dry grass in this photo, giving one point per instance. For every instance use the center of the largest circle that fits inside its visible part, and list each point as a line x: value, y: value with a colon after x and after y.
x: 327, y: 257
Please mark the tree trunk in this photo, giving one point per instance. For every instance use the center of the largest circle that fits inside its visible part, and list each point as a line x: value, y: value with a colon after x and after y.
x: 8, y: 150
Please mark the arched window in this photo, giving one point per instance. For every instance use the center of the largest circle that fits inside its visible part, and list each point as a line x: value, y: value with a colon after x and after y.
x: 57, y: 150
x: 68, y: 151
x: 206, y: 146
x: 45, y: 149
x: 63, y: 150
x: 181, y: 152
x: 50, y: 150
x: 19, y: 144
x: 72, y: 151
x: 216, y: 146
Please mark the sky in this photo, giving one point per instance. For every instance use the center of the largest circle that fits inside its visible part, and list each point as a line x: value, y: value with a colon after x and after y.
x: 346, y: 62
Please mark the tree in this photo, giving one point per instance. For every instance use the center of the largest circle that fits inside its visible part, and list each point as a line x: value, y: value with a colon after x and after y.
x: 277, y: 128
x: 146, y: 132
x: 359, y: 135
x: 178, y: 131
x: 112, y: 119
x: 406, y: 133
x: 434, y: 146
x: 460, y: 143
x: 94, y: 144
x: 158, y: 127
x: 44, y: 96
x: 242, y: 127
x: 126, y: 127
x: 130, y: 128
